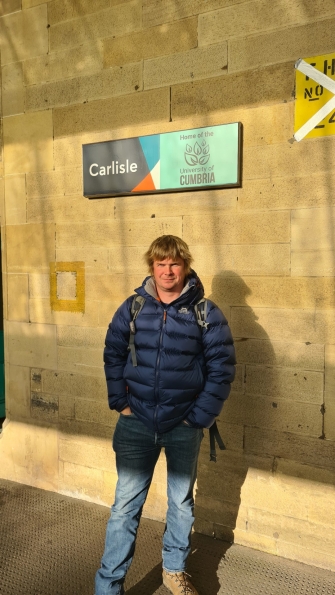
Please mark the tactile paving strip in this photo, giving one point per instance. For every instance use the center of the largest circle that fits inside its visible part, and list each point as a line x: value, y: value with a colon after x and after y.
x: 52, y: 545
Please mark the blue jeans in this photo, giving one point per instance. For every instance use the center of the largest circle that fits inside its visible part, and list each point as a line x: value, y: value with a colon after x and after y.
x: 137, y: 450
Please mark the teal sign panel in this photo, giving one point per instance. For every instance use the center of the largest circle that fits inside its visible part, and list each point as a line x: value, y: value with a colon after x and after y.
x: 194, y: 159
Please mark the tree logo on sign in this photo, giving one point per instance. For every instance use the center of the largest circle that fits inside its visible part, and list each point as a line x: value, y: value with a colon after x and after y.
x: 198, y: 154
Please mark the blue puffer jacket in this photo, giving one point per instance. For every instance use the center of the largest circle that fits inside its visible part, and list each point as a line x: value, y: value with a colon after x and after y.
x: 183, y: 373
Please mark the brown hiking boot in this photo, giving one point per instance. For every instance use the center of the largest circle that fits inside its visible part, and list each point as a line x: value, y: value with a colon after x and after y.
x: 178, y: 583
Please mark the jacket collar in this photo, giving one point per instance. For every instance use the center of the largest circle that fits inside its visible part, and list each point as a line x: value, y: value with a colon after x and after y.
x: 193, y: 290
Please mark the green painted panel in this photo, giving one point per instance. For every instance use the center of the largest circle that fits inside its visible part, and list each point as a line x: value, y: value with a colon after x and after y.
x: 2, y: 377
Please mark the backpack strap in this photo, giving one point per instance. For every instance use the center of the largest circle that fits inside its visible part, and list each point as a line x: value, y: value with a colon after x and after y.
x: 214, y: 435
x: 200, y: 309
x: 136, y: 307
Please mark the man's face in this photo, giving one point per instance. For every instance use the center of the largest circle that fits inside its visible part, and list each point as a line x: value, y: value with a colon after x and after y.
x: 169, y: 274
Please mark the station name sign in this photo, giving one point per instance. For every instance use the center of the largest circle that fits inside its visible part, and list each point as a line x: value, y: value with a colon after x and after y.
x: 196, y: 159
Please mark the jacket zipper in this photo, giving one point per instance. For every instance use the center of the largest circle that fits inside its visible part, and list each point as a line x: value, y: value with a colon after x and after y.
x: 157, y: 368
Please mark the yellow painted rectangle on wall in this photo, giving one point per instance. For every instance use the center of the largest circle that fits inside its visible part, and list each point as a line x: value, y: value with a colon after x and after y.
x: 311, y: 96
x: 70, y: 305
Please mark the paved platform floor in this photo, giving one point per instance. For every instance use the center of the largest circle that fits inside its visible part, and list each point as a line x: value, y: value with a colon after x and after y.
x: 51, y: 545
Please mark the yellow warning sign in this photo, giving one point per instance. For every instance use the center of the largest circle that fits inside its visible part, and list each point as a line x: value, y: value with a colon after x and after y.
x: 312, y: 95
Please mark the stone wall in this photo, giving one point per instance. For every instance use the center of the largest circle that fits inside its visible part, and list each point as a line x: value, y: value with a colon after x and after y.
x: 79, y: 71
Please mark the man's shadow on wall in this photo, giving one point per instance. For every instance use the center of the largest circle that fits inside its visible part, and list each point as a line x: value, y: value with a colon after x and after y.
x: 218, y: 495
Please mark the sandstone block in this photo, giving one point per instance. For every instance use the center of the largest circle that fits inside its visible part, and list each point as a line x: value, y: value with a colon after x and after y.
x: 288, y: 192
x: 284, y: 158
x: 224, y: 533
x: 15, y: 199
x: 285, y: 383
x: 81, y: 361
x: 113, y: 289
x: 32, y: 3
x: 130, y: 110
x: 117, y: 20
x: 138, y: 232
x: 127, y: 259
x: 235, y: 228
x: 93, y: 412
x: 162, y: 40
x: 303, y: 449
x: 290, y: 531
x: 212, y: 484
x: 257, y: 259
x: 199, y: 63
x: 239, y: 378
x: 24, y: 34
x: 2, y: 200
x: 292, y: 325
x: 96, y: 454
x: 39, y: 285
x: 257, y: 542
x: 95, y: 259
x: 203, y: 201
x: 73, y: 336
x: 63, y: 383
x: 313, y: 229
x: 8, y: 6
x: 205, y: 527
x: 321, y: 509
x: 82, y: 60
x: 264, y: 492
x: 330, y: 392
x: 270, y: 292
x: 156, y: 12
x: 110, y: 480
x: 18, y: 297
x: 40, y: 311
x: 272, y: 413
x: 279, y: 353
x: 75, y: 430
x: 313, y: 263
x: 280, y: 46
x: 107, y: 83
x: 244, y: 20
x: 219, y: 511
x: 44, y: 407
x: 61, y: 182
x: 30, y: 246
x: 106, y: 312
x: 268, y: 85
x: 31, y: 344
x: 12, y: 89
x: 29, y: 455
x: 66, y: 411
x: 232, y: 435
x: 69, y: 9
x: 314, y: 477
x: 17, y: 392
x: 28, y: 142
x: 82, y: 481
x: 65, y: 208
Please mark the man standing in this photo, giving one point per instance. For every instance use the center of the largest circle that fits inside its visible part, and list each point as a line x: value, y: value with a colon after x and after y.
x: 168, y: 379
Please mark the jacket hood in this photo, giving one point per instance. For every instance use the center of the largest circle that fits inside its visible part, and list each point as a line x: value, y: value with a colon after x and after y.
x: 193, y: 290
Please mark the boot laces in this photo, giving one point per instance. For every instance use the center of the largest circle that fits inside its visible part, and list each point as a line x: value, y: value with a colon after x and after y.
x: 184, y: 583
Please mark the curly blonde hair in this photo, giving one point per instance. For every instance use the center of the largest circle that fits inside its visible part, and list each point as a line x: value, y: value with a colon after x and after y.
x: 168, y: 247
